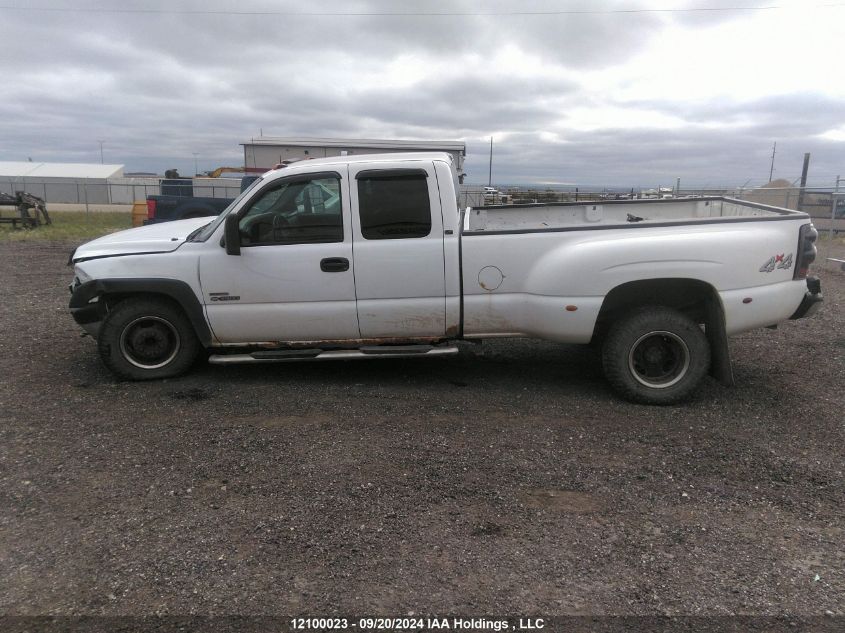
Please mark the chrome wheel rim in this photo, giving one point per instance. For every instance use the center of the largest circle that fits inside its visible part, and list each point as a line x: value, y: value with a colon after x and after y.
x: 659, y: 359
x: 149, y: 342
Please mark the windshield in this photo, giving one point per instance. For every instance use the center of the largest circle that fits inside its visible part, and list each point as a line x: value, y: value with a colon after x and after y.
x: 206, y: 231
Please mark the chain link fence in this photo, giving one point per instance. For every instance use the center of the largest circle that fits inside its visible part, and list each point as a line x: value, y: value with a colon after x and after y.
x: 119, y: 191
x: 825, y: 203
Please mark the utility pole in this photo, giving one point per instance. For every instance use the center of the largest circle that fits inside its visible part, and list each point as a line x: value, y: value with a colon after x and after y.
x: 490, y: 175
x: 196, y: 170
x: 101, y: 152
x: 804, y: 171
x: 772, y: 168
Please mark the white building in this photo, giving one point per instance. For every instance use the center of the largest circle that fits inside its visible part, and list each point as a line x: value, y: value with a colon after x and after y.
x: 60, y: 182
x: 265, y: 152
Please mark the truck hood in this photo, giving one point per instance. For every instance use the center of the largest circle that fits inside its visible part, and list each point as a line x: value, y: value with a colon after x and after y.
x: 163, y: 237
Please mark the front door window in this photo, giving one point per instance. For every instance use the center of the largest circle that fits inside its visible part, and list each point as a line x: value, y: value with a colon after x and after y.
x: 297, y: 212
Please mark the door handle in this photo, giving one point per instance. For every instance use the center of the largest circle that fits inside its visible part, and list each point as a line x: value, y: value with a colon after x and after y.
x: 334, y: 264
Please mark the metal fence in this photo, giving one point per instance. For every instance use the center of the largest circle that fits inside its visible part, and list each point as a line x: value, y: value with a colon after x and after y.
x: 88, y: 191
x: 819, y: 202
x: 822, y: 202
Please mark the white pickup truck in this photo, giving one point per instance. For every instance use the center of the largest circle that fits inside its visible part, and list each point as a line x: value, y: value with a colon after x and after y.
x: 370, y: 257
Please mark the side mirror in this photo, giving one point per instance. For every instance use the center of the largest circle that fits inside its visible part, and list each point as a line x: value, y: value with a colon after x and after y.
x: 232, y: 235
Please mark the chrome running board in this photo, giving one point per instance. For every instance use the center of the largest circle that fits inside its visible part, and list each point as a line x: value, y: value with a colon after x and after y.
x: 374, y: 351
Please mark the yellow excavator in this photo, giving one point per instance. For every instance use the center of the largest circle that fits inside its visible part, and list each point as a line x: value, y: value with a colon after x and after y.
x: 226, y: 170
x: 248, y: 170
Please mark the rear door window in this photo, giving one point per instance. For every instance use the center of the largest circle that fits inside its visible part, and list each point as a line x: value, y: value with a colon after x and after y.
x: 394, y: 206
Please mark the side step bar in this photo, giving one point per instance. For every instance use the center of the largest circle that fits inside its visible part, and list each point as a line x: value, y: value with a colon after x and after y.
x: 374, y: 351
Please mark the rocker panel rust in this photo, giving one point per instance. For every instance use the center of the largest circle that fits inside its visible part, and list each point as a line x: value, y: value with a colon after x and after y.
x: 335, y: 344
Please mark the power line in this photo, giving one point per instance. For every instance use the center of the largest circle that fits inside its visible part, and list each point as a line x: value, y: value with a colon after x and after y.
x: 284, y: 13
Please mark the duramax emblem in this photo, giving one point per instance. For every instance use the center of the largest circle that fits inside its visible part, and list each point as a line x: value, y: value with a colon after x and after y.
x: 777, y: 261
x: 223, y: 296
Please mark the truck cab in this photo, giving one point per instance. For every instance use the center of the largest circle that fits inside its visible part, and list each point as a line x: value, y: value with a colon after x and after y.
x: 294, y: 263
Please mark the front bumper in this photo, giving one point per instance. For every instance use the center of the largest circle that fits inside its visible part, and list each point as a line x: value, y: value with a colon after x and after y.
x: 85, y: 307
x: 812, y: 300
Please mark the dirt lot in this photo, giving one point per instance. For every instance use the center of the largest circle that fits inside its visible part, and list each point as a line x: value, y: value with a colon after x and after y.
x: 509, y: 480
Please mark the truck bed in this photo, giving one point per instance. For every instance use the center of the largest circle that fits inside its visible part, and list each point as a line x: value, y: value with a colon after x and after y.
x: 543, y: 270
x: 614, y: 213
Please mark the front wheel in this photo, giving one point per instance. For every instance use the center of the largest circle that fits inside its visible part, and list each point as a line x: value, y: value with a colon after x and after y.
x: 655, y: 355
x: 145, y: 339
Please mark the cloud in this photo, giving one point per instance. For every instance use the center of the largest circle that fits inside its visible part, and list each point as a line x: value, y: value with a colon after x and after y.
x: 621, y: 98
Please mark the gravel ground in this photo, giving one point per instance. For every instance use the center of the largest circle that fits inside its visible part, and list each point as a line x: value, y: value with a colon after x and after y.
x: 509, y: 480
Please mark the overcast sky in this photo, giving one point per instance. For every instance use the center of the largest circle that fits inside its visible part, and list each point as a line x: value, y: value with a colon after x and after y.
x: 571, y: 91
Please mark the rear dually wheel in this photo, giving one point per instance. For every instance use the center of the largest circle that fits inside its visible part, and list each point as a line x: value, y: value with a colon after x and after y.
x: 655, y: 355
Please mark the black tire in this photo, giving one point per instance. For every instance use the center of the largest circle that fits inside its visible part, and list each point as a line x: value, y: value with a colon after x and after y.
x: 147, y: 338
x: 655, y: 355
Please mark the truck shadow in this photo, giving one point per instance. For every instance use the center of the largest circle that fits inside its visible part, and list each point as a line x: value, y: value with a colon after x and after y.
x: 505, y: 366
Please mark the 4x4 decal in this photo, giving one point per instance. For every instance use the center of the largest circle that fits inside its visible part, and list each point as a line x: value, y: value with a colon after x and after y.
x: 777, y: 261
